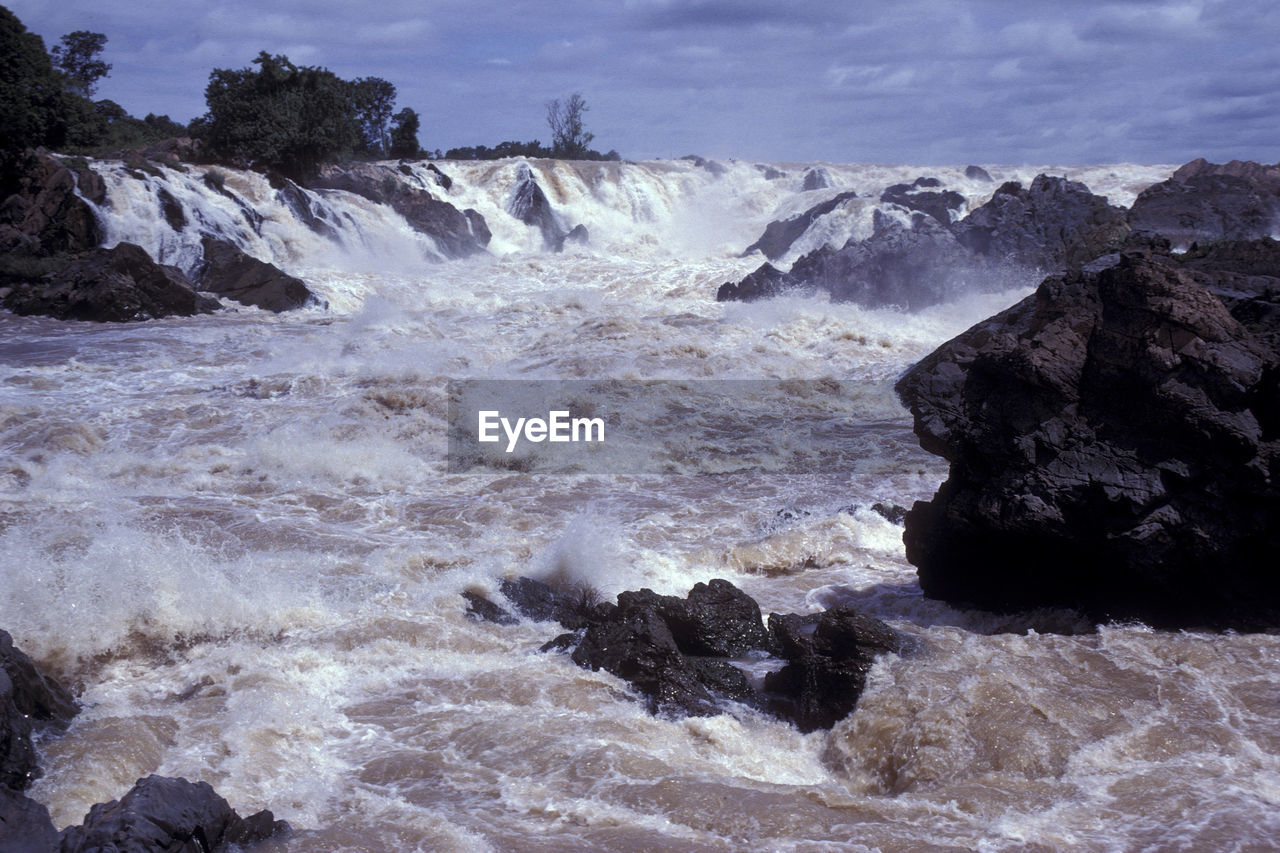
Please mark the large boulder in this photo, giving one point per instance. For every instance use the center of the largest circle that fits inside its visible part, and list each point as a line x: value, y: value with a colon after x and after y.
x: 25, y: 825
x: 1205, y: 202
x: 1053, y: 224
x: 908, y: 266
x: 458, y: 233
x: 924, y: 196
x: 780, y: 234
x: 228, y: 271
x: 116, y: 284
x: 1114, y: 442
x: 44, y: 214
x: 170, y: 815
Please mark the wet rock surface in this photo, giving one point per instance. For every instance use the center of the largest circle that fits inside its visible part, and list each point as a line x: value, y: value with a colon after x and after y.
x: 1114, y: 445
x: 228, y: 271
x: 688, y: 656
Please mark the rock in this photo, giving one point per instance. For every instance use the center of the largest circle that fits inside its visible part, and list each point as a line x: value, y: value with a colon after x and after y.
x: 172, y: 815
x: 680, y: 653
x: 117, y: 284
x: 815, y: 178
x: 578, y: 234
x: 939, y: 205
x: 912, y: 267
x: 892, y: 513
x: 44, y: 215
x: 770, y: 173
x: 481, y: 609
x: 778, y: 236
x: 977, y: 173
x: 25, y: 825
x: 295, y: 198
x: 530, y: 205
x: 1267, y: 177
x: 171, y: 210
x: 442, y: 179
x: 1114, y: 446
x: 29, y: 700
x: 227, y: 271
x: 1201, y: 204
x: 702, y: 163
x: 453, y: 230
x: 829, y: 656
x: 1053, y: 225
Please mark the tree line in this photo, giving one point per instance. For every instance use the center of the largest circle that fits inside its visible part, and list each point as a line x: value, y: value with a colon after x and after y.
x: 272, y: 115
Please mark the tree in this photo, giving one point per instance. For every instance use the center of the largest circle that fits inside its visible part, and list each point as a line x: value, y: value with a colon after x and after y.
x: 569, y: 139
x: 374, y: 99
x: 281, y: 117
x: 404, y: 134
x: 32, y: 102
x: 77, y: 58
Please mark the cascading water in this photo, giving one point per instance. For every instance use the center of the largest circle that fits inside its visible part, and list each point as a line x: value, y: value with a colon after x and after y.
x: 236, y: 536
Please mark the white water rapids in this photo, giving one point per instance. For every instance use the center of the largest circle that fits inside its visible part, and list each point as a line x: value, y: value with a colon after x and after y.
x: 235, y: 537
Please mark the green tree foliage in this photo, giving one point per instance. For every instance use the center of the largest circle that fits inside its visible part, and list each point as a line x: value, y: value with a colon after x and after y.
x: 404, y: 134
x: 374, y: 99
x: 280, y: 116
x: 569, y: 136
x: 499, y: 151
x: 33, y: 104
x: 77, y: 58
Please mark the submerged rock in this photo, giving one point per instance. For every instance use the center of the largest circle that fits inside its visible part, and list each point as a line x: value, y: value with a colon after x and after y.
x: 688, y: 656
x: 173, y: 815
x: 117, y: 284
x: 227, y: 271
x: 1114, y: 442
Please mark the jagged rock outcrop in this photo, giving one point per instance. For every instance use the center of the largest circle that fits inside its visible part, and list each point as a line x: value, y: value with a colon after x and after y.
x: 171, y: 815
x: 912, y: 267
x: 531, y: 206
x: 1114, y: 442
x: 688, y: 656
x: 711, y: 166
x: 458, y: 233
x: 815, y: 178
x: 117, y: 284
x: 1203, y: 201
x: 44, y: 215
x: 922, y: 196
x: 977, y: 173
x: 1053, y: 224
x: 228, y: 271
x: 778, y: 236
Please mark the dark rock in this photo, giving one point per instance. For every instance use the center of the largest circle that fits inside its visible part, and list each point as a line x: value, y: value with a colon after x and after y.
x: 1206, y: 205
x: 25, y: 825
x: 578, y: 234
x: 778, y: 236
x: 1113, y: 447
x: 893, y: 513
x: 926, y: 182
x: 296, y: 199
x: 44, y: 215
x: 939, y: 205
x: 829, y: 655
x: 679, y: 652
x: 453, y: 230
x: 702, y: 163
x: 815, y: 179
x: 912, y: 267
x: 977, y: 173
x: 441, y: 178
x: 29, y: 701
x: 770, y: 173
x: 171, y: 210
x: 172, y: 815
x: 530, y: 205
x: 117, y: 284
x: 227, y: 271
x: 481, y: 609
x: 1267, y: 177
x: 1053, y: 225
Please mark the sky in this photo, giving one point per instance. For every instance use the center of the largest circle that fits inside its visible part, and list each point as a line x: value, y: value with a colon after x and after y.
x: 930, y: 82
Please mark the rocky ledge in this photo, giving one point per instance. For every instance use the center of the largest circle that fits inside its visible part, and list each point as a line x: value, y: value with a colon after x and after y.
x: 1114, y: 442
x: 689, y: 656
